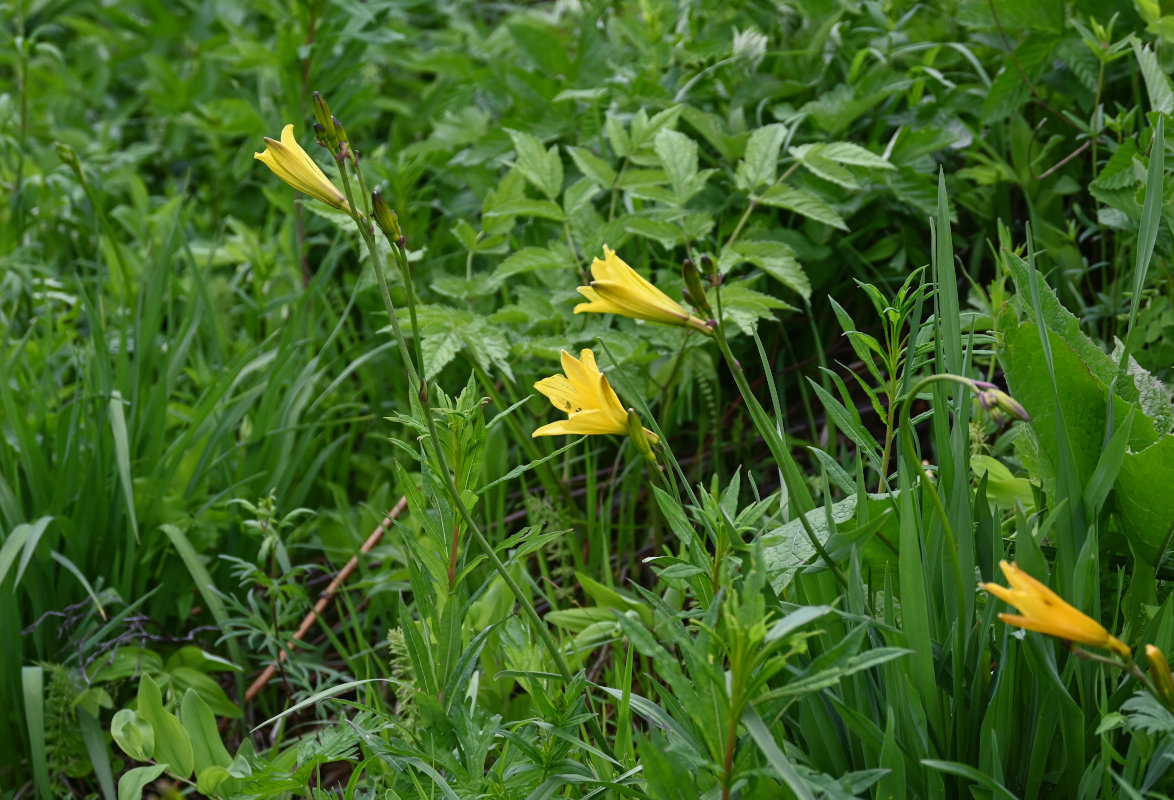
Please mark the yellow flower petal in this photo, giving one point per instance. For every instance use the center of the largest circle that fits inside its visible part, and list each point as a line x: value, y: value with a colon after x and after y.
x: 619, y: 289
x: 293, y: 165
x: 585, y: 396
x: 1044, y: 611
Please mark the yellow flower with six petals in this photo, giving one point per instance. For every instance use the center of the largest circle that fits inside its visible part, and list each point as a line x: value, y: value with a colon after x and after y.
x: 588, y: 400
x: 293, y: 165
x: 1043, y: 611
x: 616, y: 288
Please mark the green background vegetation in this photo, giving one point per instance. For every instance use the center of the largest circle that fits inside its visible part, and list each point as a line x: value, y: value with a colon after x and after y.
x: 202, y: 417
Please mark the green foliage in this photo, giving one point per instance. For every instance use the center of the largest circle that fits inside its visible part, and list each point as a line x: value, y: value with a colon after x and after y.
x: 198, y: 387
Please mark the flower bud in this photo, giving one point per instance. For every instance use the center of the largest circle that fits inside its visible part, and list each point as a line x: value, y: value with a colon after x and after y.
x: 994, y: 400
x: 1160, y: 675
x: 385, y: 218
x: 325, y: 124
x: 339, y: 131
x: 639, y: 436
x: 693, y: 288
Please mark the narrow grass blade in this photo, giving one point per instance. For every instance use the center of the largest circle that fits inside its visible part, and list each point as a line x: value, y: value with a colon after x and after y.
x: 777, y: 759
x: 32, y: 680
x: 969, y: 772
x: 122, y: 457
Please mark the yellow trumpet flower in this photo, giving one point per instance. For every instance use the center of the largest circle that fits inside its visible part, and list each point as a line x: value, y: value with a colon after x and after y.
x: 293, y: 165
x: 619, y: 289
x: 591, y: 405
x: 1043, y: 611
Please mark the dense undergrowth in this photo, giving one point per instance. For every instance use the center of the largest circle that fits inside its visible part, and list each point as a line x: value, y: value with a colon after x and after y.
x: 924, y: 256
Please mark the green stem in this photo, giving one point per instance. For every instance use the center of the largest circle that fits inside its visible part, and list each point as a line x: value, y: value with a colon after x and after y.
x: 798, y: 495
x: 442, y: 460
x: 960, y: 586
x: 754, y: 201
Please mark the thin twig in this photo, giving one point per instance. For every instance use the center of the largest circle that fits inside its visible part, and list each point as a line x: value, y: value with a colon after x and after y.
x: 327, y: 595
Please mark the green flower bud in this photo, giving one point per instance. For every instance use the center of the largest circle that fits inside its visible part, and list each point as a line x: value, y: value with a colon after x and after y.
x: 385, y: 218
x: 325, y: 126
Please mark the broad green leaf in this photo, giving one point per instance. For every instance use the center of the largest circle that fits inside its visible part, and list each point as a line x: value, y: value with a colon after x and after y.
x: 1141, y: 499
x: 678, y: 157
x: 215, y: 781
x: 134, y: 781
x: 529, y: 259
x: 744, y: 307
x: 543, y: 168
x: 665, y: 233
x: 528, y: 207
x: 200, y: 724
x: 186, y: 678
x: 172, y: 745
x: 803, y: 202
x: 759, y: 166
x: 845, y: 153
x: 617, y: 136
x: 1157, y: 82
x: 828, y: 170
x: 643, y: 129
x: 593, y: 167
x: 133, y: 735
x: 774, y: 258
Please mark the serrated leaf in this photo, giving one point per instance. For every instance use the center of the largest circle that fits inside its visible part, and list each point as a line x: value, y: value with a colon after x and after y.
x: 439, y: 349
x: 660, y: 231
x: 593, y: 167
x: 1006, y: 94
x: 488, y: 345
x: 759, y: 166
x: 529, y: 259
x: 678, y: 156
x: 829, y: 170
x: 846, y: 153
x: 527, y: 207
x: 774, y: 258
x: 579, y: 195
x: 745, y: 307
x: 803, y: 202
x: 621, y: 145
x: 644, y: 129
x: 543, y: 168
x: 1120, y: 171
x: 1157, y: 82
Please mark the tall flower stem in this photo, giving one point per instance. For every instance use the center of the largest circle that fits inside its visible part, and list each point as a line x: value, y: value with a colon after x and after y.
x: 412, y: 358
x: 798, y: 495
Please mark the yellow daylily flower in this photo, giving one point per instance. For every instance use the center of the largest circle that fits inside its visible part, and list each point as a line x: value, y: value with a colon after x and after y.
x: 619, y: 289
x: 1043, y: 611
x: 293, y: 165
x: 588, y: 400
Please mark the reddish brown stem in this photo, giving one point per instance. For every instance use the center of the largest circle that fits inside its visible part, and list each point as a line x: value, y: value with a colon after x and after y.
x: 327, y: 595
